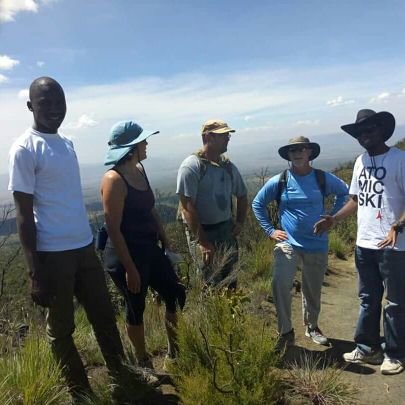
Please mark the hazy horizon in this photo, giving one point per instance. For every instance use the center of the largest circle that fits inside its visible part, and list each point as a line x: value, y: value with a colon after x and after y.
x: 336, y: 149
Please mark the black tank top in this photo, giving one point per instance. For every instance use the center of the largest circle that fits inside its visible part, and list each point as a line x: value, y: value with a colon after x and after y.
x: 138, y: 225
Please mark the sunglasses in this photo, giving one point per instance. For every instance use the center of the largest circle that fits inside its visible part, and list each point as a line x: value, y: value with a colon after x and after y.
x: 368, y: 130
x: 224, y: 135
x: 294, y: 149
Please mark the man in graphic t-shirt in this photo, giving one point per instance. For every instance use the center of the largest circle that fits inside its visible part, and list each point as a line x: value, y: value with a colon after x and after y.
x: 56, y: 237
x: 378, y: 195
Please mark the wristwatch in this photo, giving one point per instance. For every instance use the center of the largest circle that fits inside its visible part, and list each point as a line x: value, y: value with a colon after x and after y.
x: 399, y: 226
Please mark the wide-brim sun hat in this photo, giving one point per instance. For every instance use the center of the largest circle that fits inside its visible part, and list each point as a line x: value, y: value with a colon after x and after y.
x: 300, y: 140
x: 124, y: 136
x: 365, y: 117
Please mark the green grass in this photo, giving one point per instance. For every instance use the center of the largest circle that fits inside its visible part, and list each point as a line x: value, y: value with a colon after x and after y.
x: 30, y: 376
x: 337, y: 245
x: 318, y: 382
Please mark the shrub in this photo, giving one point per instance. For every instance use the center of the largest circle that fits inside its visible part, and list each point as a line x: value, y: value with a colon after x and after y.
x: 226, y: 355
x: 337, y: 245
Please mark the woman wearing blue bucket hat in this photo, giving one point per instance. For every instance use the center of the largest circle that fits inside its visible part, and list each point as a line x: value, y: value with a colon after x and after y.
x: 133, y: 257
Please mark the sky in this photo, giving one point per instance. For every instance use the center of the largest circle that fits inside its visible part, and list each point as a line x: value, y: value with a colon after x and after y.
x: 271, y: 69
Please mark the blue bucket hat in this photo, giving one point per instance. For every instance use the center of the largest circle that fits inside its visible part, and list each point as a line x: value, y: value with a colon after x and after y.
x: 124, y: 135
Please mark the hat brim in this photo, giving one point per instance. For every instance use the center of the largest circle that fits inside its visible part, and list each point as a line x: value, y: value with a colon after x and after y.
x: 116, y: 153
x: 316, y: 150
x: 383, y: 118
x: 225, y: 130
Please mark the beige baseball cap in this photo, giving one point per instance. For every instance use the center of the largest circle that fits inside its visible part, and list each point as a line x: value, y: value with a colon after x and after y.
x: 216, y: 127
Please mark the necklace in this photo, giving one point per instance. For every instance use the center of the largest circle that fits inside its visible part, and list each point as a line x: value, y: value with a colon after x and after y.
x: 376, y: 170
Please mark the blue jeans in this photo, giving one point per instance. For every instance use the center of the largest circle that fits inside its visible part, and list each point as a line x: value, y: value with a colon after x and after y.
x: 380, y: 270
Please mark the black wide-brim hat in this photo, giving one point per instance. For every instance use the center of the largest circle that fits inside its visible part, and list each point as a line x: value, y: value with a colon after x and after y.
x: 300, y: 140
x: 383, y: 119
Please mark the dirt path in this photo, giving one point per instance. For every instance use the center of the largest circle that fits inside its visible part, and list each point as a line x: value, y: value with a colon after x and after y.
x: 340, y: 307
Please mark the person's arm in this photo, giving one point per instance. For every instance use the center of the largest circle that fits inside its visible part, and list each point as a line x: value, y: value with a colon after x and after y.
x: 113, y: 194
x: 191, y: 217
x: 338, y: 188
x: 26, y: 228
x: 161, y: 229
x: 327, y: 221
x: 396, y: 228
x: 259, y: 206
x: 241, y: 212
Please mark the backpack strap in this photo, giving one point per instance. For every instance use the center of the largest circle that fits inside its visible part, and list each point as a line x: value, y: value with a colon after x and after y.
x: 224, y: 163
x: 281, y: 186
x: 321, y: 180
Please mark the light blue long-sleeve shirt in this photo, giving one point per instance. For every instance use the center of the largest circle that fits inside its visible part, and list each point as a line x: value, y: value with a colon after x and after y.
x: 301, y: 206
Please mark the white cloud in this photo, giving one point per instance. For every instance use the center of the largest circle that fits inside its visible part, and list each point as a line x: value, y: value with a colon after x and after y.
x: 84, y: 121
x: 248, y: 117
x: 40, y: 63
x: 307, y: 122
x: 381, y: 98
x: 23, y: 94
x: 7, y: 63
x: 9, y: 8
x: 338, y: 101
x: 3, y: 79
x: 281, y: 103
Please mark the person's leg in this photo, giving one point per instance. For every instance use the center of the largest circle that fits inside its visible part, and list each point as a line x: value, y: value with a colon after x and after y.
x: 164, y: 280
x: 60, y: 319
x: 226, y: 257
x: 284, y: 269
x: 171, y: 324
x: 91, y: 291
x: 134, y: 307
x: 392, y: 267
x: 313, y: 272
x: 371, y: 289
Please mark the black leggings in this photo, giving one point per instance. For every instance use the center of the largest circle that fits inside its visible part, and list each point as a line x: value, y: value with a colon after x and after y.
x: 155, y: 270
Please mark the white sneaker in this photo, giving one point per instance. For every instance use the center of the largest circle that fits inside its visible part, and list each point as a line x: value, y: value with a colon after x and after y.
x: 356, y: 356
x: 317, y: 336
x: 392, y: 366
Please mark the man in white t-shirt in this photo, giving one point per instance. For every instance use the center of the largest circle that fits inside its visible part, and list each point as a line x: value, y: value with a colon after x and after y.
x: 56, y: 237
x: 378, y: 195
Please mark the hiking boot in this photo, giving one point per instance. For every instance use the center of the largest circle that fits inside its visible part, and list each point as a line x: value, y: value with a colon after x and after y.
x: 316, y: 335
x: 392, y: 366
x: 356, y: 356
x: 284, y: 341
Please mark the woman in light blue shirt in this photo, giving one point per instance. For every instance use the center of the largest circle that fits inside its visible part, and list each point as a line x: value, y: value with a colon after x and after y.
x: 300, y: 192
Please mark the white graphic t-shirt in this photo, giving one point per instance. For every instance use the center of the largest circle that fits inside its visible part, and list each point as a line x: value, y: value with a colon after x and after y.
x: 379, y: 183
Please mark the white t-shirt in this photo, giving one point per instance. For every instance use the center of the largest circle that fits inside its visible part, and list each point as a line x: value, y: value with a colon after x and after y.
x: 379, y: 183
x: 46, y: 166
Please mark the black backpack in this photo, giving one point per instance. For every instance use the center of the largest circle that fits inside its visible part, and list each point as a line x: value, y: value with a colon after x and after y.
x: 282, y: 183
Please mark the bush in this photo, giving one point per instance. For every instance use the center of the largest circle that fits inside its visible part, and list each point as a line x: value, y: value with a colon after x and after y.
x: 337, y: 245
x: 226, y: 356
